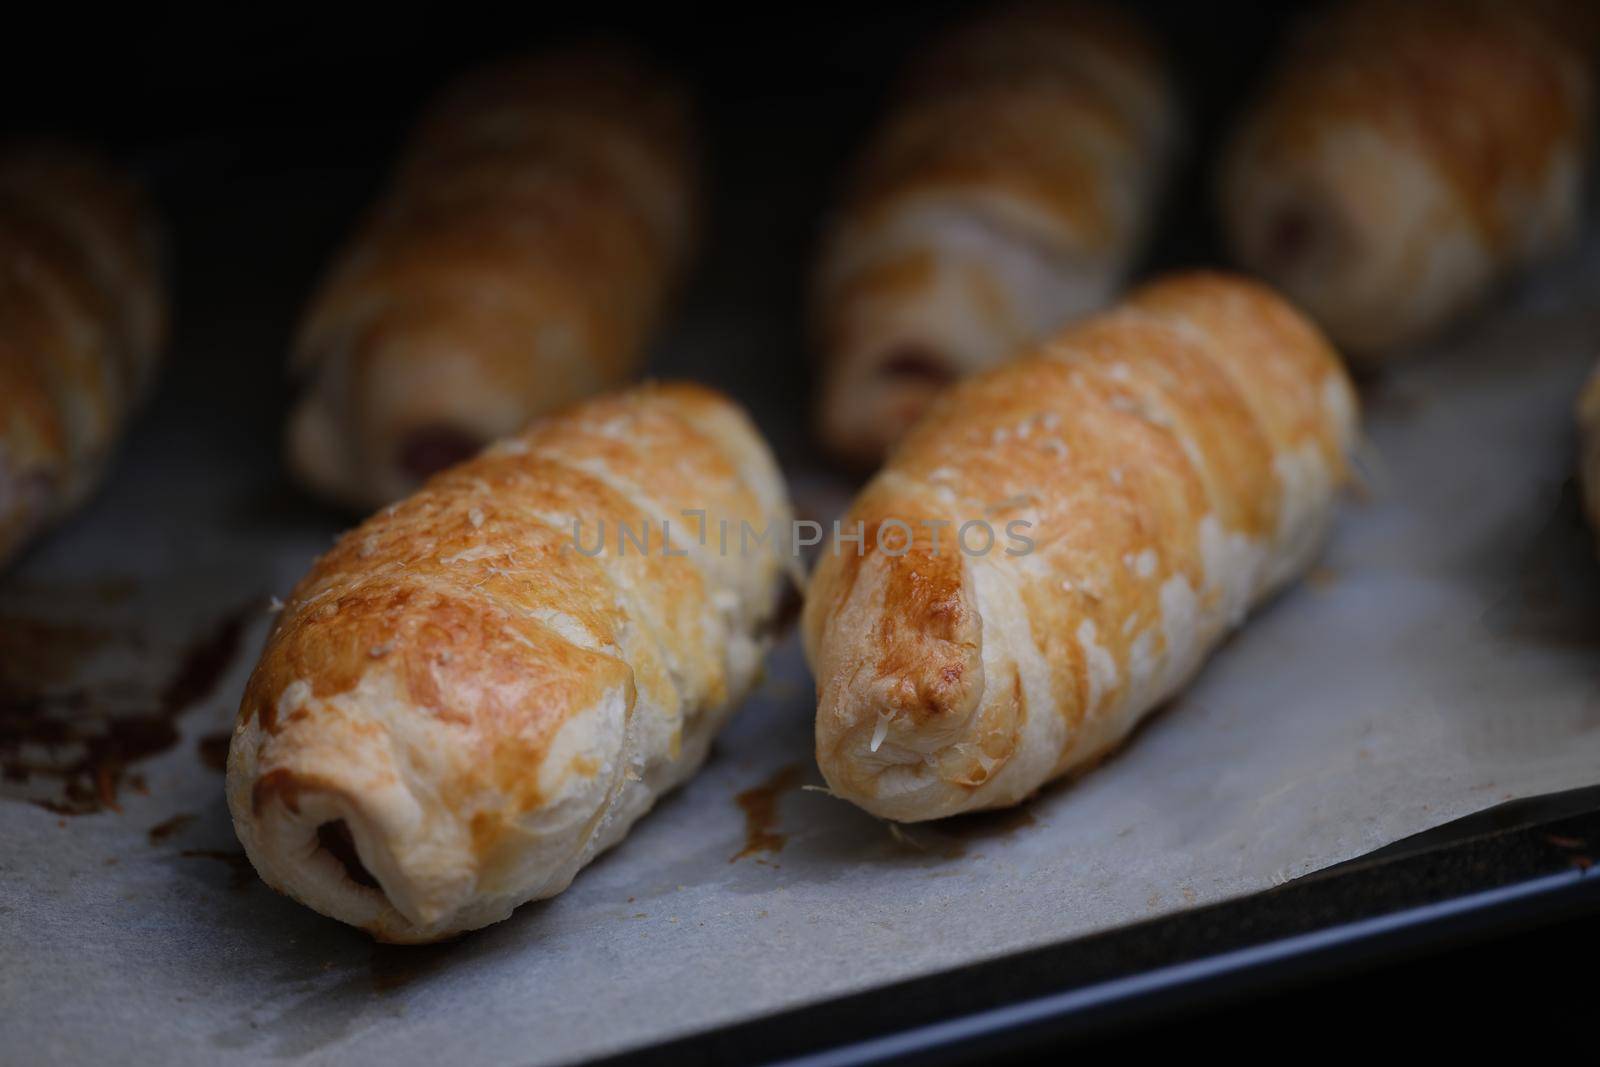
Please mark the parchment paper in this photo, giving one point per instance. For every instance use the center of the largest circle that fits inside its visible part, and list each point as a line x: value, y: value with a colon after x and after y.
x: 1441, y: 659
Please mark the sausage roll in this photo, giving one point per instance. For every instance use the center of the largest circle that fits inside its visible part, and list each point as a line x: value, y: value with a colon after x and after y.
x: 1406, y: 157
x: 82, y: 323
x: 1008, y: 190
x: 1055, y: 548
x: 482, y: 687
x: 518, y: 263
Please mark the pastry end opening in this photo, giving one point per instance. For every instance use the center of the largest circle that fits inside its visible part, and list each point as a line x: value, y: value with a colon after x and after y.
x: 428, y: 450
x: 334, y: 838
x: 916, y: 363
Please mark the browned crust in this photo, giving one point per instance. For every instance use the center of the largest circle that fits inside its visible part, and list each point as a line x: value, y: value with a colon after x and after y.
x: 1119, y: 441
x: 449, y: 589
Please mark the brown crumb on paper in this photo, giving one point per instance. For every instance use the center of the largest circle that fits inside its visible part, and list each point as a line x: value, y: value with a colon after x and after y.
x: 168, y: 829
x: 760, y: 807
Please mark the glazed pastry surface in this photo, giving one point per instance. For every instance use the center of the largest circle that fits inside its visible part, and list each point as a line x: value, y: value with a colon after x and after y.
x: 484, y: 685
x: 1169, y: 463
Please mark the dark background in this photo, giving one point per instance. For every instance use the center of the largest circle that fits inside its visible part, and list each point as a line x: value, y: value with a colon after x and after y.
x: 263, y: 129
x: 154, y: 74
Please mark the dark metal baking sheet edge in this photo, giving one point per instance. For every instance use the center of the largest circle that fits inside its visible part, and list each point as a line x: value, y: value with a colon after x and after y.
x: 1521, y: 863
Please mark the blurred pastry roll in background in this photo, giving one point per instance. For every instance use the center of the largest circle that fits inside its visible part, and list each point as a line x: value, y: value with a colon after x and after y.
x: 1008, y: 190
x: 1406, y: 157
x: 83, y: 319
x: 520, y: 260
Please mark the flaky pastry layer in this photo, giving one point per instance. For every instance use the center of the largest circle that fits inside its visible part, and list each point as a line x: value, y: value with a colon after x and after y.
x: 484, y: 685
x: 1169, y: 463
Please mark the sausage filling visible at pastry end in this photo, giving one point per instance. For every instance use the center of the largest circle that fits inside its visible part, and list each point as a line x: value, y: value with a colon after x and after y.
x: 912, y: 362
x: 334, y: 838
x: 428, y: 450
x: 1291, y: 239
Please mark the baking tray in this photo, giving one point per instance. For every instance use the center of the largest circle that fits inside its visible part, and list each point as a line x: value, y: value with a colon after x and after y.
x: 1437, y: 663
x: 1518, y: 866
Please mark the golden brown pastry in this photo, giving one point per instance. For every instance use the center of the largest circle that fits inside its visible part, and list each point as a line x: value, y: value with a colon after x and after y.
x: 1174, y: 461
x: 82, y: 323
x: 518, y: 263
x: 484, y: 685
x: 1008, y: 190
x: 1408, y: 156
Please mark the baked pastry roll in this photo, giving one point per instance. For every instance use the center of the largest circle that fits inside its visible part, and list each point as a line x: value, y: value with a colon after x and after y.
x: 482, y: 687
x: 1406, y: 157
x: 1008, y: 190
x: 82, y: 323
x: 518, y: 263
x: 1054, y: 549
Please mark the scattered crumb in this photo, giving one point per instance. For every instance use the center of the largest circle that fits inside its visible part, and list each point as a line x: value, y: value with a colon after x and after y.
x: 169, y: 828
